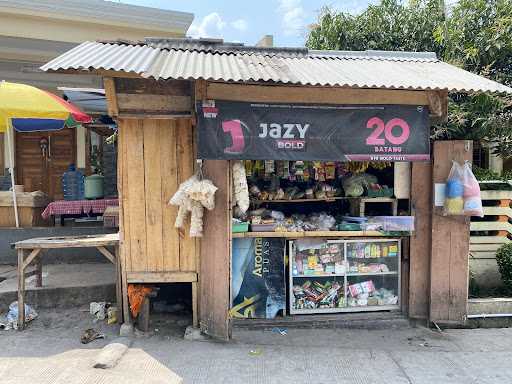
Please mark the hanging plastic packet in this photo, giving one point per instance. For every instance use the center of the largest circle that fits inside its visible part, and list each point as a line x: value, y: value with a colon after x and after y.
x: 472, y: 198
x: 454, y: 192
x: 286, y: 169
x: 270, y: 167
x: 307, y: 172
x: 330, y: 170
x: 299, y: 170
x: 291, y: 175
x: 248, y: 168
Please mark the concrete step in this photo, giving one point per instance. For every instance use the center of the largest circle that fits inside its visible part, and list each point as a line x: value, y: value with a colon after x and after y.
x: 490, y: 313
x: 64, y: 286
x: 367, y: 320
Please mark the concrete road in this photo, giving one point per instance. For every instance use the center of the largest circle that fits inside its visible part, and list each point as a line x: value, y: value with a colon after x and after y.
x: 403, y: 355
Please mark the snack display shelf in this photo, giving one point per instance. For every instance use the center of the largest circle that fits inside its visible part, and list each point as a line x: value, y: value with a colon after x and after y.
x: 360, y: 291
x: 371, y: 273
x: 314, y: 200
x: 296, y: 235
x: 372, y: 308
x: 326, y: 199
x: 347, y: 274
x: 320, y: 275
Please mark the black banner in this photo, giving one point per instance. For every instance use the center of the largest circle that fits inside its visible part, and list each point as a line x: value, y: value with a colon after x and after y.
x: 253, y: 131
x: 257, y: 278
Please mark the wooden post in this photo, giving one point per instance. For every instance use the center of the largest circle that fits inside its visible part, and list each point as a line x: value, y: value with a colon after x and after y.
x: 450, y: 244
x: 2, y: 159
x: 216, y: 255
x: 419, y: 258
x: 21, y: 289
x: 119, y: 286
x: 144, y: 315
x: 195, y: 307
x: 39, y: 270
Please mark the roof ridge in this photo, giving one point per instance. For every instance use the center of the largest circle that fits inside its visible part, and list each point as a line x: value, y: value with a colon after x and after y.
x: 367, y: 69
x: 377, y: 55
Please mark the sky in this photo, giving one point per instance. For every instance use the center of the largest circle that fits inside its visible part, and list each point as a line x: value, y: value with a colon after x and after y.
x: 247, y: 21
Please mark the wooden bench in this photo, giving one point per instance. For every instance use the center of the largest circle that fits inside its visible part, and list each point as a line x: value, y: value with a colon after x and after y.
x: 29, y: 251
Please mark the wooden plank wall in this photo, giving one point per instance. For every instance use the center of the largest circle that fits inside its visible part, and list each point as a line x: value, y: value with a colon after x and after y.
x: 216, y: 255
x: 419, y: 258
x: 450, y: 244
x: 156, y: 155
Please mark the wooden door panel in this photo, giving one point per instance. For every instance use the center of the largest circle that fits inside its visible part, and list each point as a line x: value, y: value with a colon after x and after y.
x: 38, y: 172
x: 30, y: 161
x: 62, y: 154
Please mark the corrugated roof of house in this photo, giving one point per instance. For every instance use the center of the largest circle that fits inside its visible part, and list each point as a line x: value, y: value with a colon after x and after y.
x: 233, y: 62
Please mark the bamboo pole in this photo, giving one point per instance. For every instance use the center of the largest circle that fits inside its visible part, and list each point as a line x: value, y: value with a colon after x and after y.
x: 10, y: 151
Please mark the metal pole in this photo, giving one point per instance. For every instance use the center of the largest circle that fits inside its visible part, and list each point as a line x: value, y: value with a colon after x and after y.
x: 10, y: 150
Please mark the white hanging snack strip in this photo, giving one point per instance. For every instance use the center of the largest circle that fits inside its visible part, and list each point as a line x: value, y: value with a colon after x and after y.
x: 240, y: 187
x: 193, y: 196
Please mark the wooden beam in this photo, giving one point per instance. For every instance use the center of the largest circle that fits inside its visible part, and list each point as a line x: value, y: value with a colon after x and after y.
x: 21, y: 289
x: 165, y: 104
x: 300, y: 94
x: 144, y: 115
x: 419, y: 257
x: 201, y: 89
x: 111, y: 96
x: 161, y: 277
x: 105, y: 252
x: 438, y: 105
x: 214, y: 297
x: 31, y: 257
x: 195, y: 306
x: 449, y: 263
x: 154, y: 87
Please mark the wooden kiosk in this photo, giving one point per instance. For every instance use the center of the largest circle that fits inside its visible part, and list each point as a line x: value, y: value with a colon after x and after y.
x: 154, y: 105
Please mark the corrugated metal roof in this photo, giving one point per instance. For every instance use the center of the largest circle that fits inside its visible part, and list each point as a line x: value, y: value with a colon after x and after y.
x: 188, y: 59
x: 212, y: 46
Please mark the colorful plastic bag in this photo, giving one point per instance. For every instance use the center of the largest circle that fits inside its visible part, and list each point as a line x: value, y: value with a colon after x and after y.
x: 454, y: 192
x: 472, y: 198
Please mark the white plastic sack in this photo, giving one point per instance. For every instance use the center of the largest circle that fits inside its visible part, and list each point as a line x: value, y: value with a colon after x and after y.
x: 12, y: 315
x: 454, y: 192
x: 472, y: 197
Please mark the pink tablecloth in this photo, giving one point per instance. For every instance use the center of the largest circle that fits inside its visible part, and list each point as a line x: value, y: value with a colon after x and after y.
x: 77, y: 207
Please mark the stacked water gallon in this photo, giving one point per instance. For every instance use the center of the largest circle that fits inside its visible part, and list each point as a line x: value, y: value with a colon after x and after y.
x: 73, y: 184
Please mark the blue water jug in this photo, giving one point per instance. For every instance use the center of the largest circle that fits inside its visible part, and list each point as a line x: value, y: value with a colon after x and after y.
x: 73, y: 184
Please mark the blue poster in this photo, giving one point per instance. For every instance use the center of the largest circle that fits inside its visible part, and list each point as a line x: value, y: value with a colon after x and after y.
x: 258, y: 280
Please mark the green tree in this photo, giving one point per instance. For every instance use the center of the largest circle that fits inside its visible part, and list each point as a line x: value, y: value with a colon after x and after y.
x: 389, y: 26
x: 475, y: 35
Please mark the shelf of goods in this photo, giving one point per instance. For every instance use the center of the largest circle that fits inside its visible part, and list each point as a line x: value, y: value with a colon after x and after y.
x: 327, y: 200
x: 297, y: 235
x: 329, y: 276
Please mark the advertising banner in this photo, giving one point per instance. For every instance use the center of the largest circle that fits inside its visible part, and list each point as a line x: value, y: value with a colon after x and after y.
x: 255, y: 131
x: 258, y: 281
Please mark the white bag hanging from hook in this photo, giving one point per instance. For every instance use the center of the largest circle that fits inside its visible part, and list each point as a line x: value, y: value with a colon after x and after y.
x: 454, y: 191
x: 472, y: 195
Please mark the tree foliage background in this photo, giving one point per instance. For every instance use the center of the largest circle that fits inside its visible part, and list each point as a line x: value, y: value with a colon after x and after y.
x: 473, y: 34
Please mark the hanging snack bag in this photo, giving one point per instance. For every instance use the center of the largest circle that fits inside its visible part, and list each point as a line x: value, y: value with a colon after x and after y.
x: 472, y: 199
x: 454, y: 200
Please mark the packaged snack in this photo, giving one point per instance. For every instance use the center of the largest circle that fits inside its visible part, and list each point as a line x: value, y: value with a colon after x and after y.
x: 367, y: 286
x: 355, y: 289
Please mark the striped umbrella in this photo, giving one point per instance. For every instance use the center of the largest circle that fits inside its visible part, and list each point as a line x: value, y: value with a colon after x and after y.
x: 30, y: 109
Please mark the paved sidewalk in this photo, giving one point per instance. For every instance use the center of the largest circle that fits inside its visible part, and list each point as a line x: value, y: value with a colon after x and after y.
x: 395, y: 356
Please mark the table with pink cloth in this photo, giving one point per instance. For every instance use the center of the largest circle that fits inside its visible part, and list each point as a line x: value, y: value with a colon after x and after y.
x: 78, y: 207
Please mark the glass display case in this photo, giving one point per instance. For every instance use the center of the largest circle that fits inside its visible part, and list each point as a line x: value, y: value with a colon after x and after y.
x: 344, y: 275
